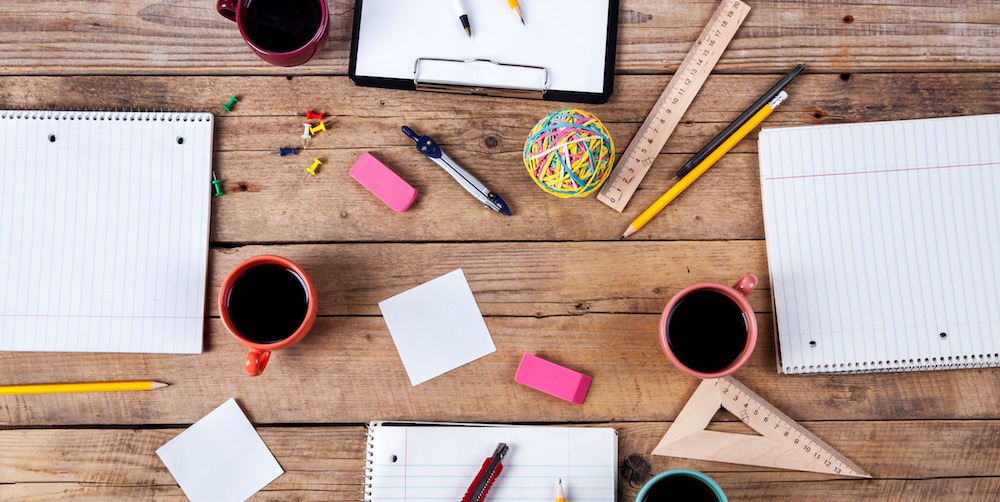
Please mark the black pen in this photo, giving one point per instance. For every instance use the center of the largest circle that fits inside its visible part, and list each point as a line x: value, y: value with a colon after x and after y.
x: 742, y: 119
x: 463, y: 16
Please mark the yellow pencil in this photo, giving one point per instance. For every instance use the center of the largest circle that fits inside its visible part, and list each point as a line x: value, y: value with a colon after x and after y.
x: 59, y: 388
x: 709, y: 161
x: 560, y: 495
x: 516, y: 7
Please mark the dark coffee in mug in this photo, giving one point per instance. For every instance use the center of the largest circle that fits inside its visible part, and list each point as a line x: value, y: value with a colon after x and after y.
x: 706, y: 331
x: 680, y: 487
x: 282, y: 25
x: 268, y: 303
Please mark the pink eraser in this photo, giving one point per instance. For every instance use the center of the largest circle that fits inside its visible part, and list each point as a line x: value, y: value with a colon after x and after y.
x: 385, y: 184
x: 552, y: 379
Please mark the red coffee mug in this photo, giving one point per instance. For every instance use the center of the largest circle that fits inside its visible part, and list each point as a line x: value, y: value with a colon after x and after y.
x: 236, y: 10
x: 259, y: 354
x: 737, y: 293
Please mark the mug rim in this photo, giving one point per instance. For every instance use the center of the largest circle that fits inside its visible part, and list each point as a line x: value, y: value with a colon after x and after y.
x: 748, y: 315
x: 701, y: 476
x: 318, y: 39
x: 237, y: 272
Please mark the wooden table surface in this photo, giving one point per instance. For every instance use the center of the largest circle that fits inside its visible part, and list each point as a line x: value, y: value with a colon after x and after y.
x: 549, y: 280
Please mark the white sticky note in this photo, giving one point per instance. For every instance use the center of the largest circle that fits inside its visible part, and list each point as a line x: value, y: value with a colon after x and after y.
x: 437, y: 327
x: 220, y: 458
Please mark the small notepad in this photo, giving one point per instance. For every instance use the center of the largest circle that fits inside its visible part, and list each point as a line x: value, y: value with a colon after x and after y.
x: 104, y: 230
x: 437, y: 327
x: 883, y: 241
x: 421, y: 462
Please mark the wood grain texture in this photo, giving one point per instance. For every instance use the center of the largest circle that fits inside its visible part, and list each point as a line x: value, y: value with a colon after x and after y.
x: 190, y: 37
x: 324, y: 463
x: 347, y: 371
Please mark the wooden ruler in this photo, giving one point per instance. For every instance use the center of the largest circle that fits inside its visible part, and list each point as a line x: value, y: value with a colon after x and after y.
x: 783, y: 442
x: 666, y: 114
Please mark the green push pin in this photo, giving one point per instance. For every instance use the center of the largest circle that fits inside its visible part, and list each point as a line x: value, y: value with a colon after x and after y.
x: 229, y: 106
x: 216, y: 186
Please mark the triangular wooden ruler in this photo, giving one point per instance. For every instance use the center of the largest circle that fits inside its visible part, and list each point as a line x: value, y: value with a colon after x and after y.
x: 783, y: 443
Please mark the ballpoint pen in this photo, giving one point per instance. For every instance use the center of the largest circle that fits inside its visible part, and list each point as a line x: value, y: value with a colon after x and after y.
x: 736, y: 124
x: 709, y: 161
x: 463, y: 16
x: 428, y: 147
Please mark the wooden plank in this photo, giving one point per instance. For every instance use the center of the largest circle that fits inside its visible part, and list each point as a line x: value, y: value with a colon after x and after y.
x: 189, y: 37
x: 536, y: 279
x: 325, y: 463
x: 267, y: 201
x: 347, y: 371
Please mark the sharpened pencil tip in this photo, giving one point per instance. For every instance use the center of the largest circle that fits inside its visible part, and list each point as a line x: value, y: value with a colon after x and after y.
x: 157, y: 385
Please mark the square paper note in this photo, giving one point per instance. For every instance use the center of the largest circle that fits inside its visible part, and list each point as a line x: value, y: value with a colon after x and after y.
x: 437, y: 327
x: 220, y: 458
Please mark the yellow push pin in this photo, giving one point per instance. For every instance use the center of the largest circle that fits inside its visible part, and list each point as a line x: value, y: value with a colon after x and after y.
x: 311, y: 170
x: 320, y: 127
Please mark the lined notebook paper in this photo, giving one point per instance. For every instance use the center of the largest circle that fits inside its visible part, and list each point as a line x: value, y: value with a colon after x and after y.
x: 436, y: 462
x: 883, y: 242
x: 104, y: 230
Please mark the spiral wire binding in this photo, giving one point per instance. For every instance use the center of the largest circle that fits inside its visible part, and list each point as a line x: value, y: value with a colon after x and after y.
x: 908, y: 364
x: 369, y: 460
x: 121, y: 115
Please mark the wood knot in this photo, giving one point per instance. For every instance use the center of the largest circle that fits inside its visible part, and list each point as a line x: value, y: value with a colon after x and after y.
x: 583, y: 306
x: 244, y: 187
x: 818, y: 114
x: 845, y: 76
x: 848, y: 19
x: 635, y: 469
x: 491, y: 141
x: 343, y: 214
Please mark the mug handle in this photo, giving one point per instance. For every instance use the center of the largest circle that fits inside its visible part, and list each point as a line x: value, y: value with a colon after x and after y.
x: 746, y: 284
x: 256, y: 361
x: 228, y: 10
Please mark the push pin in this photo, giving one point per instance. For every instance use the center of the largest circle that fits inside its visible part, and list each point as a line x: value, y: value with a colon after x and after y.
x: 320, y: 127
x: 216, y: 185
x: 305, y: 134
x: 282, y: 151
x: 311, y: 115
x: 311, y: 170
x: 229, y: 106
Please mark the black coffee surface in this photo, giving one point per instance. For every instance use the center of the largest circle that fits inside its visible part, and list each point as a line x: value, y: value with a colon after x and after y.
x: 680, y: 488
x: 706, y: 330
x: 282, y: 25
x: 268, y: 303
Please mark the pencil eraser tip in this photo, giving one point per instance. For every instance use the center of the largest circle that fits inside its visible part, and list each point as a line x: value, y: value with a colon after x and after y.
x: 552, y: 379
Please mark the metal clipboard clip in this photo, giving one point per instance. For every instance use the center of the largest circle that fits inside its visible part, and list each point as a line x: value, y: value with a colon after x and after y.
x: 480, y: 76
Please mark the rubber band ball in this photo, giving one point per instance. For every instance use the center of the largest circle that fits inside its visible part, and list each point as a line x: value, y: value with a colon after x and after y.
x: 569, y: 153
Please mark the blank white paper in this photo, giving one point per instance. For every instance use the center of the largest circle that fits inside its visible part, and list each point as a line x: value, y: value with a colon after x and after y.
x: 421, y: 463
x: 220, y: 458
x: 883, y: 241
x: 568, y: 37
x: 437, y: 327
x: 104, y: 220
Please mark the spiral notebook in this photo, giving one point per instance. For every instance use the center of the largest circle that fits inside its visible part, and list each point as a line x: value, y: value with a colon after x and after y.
x: 419, y: 462
x: 104, y: 220
x: 882, y: 242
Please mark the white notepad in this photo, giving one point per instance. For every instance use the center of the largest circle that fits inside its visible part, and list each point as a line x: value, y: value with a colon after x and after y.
x: 104, y: 230
x: 883, y: 242
x: 419, y: 462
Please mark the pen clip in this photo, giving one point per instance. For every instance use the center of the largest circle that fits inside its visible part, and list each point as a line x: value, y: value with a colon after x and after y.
x: 425, y: 144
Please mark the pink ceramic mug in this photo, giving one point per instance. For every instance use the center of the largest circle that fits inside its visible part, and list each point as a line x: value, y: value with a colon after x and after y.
x: 281, y: 32
x: 708, y: 330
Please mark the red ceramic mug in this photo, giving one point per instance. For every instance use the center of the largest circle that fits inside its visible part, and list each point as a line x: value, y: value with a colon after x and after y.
x: 281, y: 32
x: 267, y: 303
x: 709, y: 330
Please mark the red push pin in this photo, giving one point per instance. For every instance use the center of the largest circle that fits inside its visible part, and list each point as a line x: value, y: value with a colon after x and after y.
x: 311, y: 115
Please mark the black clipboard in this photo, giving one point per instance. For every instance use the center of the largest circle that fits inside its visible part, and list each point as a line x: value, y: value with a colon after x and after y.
x: 534, y: 81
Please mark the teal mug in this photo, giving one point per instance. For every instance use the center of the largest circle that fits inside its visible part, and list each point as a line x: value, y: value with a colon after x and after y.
x: 681, y: 485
